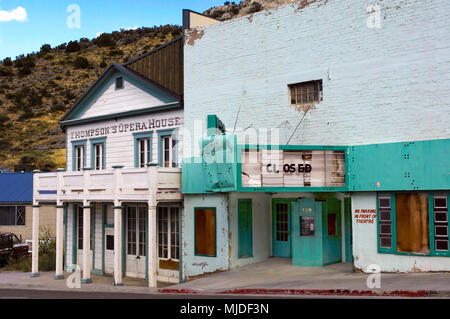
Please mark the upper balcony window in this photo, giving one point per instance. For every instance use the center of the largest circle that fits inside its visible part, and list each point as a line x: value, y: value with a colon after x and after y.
x: 98, y: 156
x: 167, y: 148
x: 144, y: 151
x: 305, y: 92
x: 98, y: 153
x: 79, y: 157
x: 119, y: 83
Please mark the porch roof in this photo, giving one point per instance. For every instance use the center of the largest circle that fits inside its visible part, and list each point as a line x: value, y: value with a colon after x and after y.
x: 16, y: 188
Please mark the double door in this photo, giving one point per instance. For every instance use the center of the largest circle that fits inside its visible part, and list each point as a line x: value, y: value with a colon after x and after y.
x: 136, y: 240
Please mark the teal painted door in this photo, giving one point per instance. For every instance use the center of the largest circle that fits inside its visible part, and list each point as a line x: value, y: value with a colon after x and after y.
x: 307, y: 233
x: 348, y: 230
x: 281, y: 221
x: 245, y: 228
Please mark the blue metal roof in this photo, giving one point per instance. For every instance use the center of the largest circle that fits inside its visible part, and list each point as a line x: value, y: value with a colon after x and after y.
x: 16, y: 188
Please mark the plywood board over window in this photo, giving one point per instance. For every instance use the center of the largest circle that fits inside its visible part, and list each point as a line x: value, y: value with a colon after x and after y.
x: 412, y: 223
x: 205, y: 232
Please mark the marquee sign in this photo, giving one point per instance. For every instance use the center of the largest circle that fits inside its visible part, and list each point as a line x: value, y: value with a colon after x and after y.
x: 292, y: 168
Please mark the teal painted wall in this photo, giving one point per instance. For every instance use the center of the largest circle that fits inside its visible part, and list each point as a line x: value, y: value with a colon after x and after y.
x: 319, y: 249
x: 418, y: 165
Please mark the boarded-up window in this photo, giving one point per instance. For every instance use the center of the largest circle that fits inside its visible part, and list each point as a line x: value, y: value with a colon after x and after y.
x: 412, y: 223
x: 205, y: 231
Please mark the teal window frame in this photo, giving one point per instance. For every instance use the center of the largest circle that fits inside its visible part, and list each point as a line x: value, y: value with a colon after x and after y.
x: 431, y: 233
x: 93, y: 142
x: 215, y: 232
x: 137, y: 137
x: 115, y: 83
x: 164, y: 133
x: 74, y: 145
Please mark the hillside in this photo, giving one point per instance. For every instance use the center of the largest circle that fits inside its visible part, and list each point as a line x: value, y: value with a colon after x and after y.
x: 37, y: 89
x: 230, y: 10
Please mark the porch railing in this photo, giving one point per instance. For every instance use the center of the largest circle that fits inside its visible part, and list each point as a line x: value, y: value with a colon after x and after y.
x: 118, y: 183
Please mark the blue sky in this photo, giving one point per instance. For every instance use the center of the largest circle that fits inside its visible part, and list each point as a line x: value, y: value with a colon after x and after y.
x: 27, y: 24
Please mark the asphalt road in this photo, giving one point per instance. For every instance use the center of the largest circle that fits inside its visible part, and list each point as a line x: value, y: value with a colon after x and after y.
x: 51, y: 294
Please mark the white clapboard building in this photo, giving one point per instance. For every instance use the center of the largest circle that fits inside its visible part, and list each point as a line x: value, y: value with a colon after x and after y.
x: 119, y: 199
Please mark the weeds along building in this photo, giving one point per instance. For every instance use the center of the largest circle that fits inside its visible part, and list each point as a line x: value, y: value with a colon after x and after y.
x: 323, y: 137
x: 119, y: 199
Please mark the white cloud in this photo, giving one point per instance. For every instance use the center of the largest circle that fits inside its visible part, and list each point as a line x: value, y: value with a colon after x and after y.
x: 129, y: 28
x: 18, y: 14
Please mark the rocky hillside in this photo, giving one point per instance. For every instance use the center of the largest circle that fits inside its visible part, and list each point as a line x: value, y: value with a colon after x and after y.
x: 37, y: 89
x: 230, y: 10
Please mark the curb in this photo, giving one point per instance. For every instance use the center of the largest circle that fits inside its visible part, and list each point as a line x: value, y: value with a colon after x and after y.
x: 309, y: 292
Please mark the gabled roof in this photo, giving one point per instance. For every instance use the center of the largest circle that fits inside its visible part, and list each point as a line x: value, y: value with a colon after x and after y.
x: 115, y: 67
x: 16, y: 188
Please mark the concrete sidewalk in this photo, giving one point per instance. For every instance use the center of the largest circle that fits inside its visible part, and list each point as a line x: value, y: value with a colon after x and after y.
x: 275, y: 276
x: 278, y: 276
x: 22, y: 280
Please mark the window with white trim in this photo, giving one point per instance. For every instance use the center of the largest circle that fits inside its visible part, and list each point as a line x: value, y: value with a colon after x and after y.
x: 168, y: 151
x: 99, y: 150
x: 143, y: 151
x: 79, y: 157
x: 168, y: 235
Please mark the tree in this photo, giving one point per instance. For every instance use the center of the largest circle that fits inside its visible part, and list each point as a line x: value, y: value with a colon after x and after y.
x: 73, y: 46
x: 7, y: 62
x: 105, y: 40
x: 46, y: 48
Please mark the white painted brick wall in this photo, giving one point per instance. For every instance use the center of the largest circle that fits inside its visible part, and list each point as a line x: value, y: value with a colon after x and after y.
x: 387, y: 85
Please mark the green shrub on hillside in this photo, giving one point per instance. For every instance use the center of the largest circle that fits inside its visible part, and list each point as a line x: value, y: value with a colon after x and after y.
x: 255, y: 7
x: 73, y: 46
x: 57, y: 108
x: 105, y: 40
x: 24, y: 71
x: 7, y: 62
x: 81, y: 62
x: 6, y: 72
x: 22, y: 61
x: 46, y: 48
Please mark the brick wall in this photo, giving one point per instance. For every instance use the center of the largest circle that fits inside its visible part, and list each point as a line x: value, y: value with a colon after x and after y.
x: 386, y: 84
